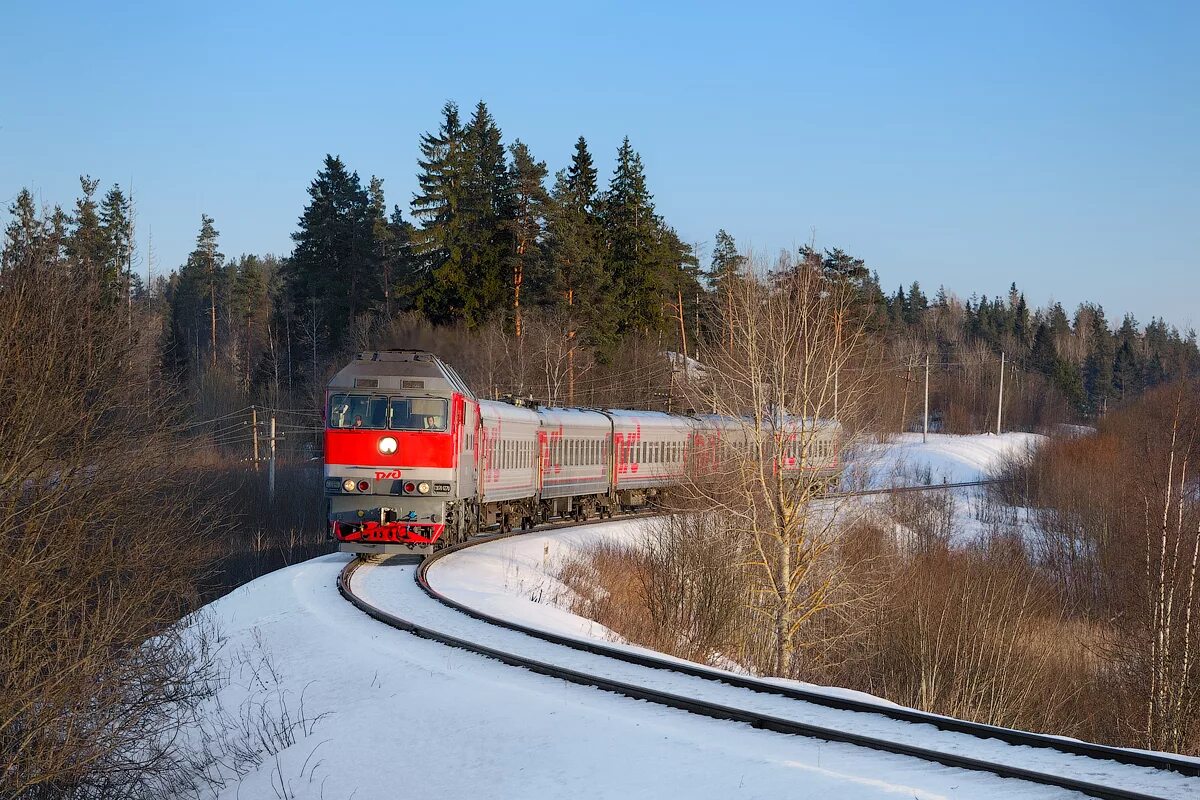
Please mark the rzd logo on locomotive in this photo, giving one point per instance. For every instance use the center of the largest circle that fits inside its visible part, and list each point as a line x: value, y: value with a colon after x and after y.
x: 383, y: 475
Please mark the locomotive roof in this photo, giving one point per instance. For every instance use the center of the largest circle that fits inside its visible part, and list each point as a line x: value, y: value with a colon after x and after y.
x: 398, y: 370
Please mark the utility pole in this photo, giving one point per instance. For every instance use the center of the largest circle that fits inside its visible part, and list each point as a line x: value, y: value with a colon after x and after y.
x: 925, y: 429
x: 571, y: 349
x: 1000, y: 402
x: 682, y: 329
x: 254, y: 433
x: 837, y: 374
x: 271, y: 474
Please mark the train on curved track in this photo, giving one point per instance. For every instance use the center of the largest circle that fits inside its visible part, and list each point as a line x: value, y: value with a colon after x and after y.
x: 414, y: 461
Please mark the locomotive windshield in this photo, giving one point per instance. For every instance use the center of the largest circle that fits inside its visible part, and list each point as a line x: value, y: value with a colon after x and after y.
x: 396, y: 413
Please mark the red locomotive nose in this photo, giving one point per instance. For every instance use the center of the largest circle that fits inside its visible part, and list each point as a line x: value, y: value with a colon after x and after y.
x: 363, y: 486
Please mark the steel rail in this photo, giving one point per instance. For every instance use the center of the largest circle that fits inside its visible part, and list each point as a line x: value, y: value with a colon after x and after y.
x: 979, y: 730
x: 719, y: 711
x: 906, y: 489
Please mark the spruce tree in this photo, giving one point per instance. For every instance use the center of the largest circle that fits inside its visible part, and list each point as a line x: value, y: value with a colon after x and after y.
x: 488, y: 214
x: 24, y: 235
x: 441, y: 241
x: 86, y: 242
x: 333, y: 275
x: 1098, y: 364
x: 914, y: 308
x: 576, y: 281
x: 117, y: 223
x: 726, y: 264
x: 1043, y: 357
x: 392, y: 246
x: 630, y: 228
x: 529, y: 207
x: 581, y: 178
x: 1127, y: 372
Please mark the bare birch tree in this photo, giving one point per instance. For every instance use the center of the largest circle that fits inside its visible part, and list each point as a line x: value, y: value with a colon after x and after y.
x: 795, y: 360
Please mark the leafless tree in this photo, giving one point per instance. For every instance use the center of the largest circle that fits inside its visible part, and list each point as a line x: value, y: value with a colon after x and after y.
x: 101, y: 547
x: 796, y: 361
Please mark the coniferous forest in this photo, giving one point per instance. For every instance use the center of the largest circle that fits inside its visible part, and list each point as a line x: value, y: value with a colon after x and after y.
x: 566, y: 287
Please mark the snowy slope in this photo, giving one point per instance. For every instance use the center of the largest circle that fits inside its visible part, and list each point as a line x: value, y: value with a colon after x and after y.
x: 411, y: 718
x: 391, y: 715
x: 947, y: 458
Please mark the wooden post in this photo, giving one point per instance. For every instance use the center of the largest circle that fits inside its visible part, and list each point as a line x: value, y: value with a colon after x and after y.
x: 271, y: 474
x: 925, y: 429
x: 682, y: 329
x: 254, y: 432
x: 1000, y: 401
x: 571, y: 350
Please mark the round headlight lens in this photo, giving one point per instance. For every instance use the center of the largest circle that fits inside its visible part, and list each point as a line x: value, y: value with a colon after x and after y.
x: 348, y: 485
x: 388, y: 445
x: 423, y: 487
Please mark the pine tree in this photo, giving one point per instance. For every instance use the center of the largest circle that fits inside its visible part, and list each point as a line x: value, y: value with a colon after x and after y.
x: 441, y: 241
x: 333, y: 275
x: 207, y: 262
x: 529, y: 207
x: 841, y: 268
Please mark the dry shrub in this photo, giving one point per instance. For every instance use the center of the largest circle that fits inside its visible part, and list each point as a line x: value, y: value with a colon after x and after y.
x: 1118, y: 530
x: 100, y: 547
x: 975, y: 634
x: 678, y: 589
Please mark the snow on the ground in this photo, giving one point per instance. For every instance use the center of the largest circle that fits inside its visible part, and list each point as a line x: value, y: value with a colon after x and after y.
x: 405, y: 717
x: 390, y: 715
x: 516, y: 579
x: 945, y: 457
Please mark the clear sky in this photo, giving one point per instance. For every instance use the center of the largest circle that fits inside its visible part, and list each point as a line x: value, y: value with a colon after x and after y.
x: 1054, y: 144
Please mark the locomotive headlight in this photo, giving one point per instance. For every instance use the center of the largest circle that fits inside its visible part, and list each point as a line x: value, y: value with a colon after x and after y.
x: 423, y: 487
x: 387, y: 445
x: 347, y: 485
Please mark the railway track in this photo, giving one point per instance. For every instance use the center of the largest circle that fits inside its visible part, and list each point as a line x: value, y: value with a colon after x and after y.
x: 1067, y: 779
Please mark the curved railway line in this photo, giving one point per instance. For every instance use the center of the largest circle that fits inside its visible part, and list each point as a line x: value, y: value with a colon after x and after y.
x: 1068, y: 747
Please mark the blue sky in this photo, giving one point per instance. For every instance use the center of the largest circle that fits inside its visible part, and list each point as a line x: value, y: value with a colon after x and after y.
x: 1054, y: 144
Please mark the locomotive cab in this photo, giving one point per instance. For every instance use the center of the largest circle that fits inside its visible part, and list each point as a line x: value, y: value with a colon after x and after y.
x: 396, y: 424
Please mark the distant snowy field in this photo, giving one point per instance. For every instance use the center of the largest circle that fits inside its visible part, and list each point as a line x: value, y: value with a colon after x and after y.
x: 393, y: 716
x: 946, y: 457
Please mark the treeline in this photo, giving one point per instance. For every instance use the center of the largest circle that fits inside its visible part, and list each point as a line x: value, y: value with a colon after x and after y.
x: 553, y: 277
x: 490, y: 240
